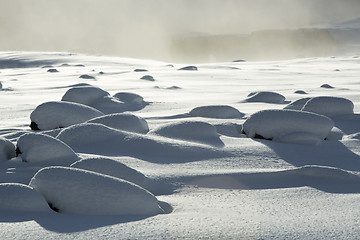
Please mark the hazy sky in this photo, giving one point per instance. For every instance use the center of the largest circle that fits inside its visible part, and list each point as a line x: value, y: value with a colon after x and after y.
x: 144, y: 28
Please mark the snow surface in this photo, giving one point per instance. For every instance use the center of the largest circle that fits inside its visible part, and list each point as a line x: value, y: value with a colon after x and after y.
x: 245, y: 188
x: 75, y: 191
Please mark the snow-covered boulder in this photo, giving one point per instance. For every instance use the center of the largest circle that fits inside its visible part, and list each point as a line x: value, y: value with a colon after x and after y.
x: 51, y: 115
x: 112, y: 168
x: 266, y: 97
x: 298, y: 104
x: 15, y: 197
x: 216, y: 111
x: 123, y: 121
x: 129, y: 98
x: 109, y: 105
x: 86, y: 95
x: 329, y: 106
x: 288, y: 126
x: 37, y: 148
x: 76, y: 191
x: 7, y: 149
x: 196, y: 131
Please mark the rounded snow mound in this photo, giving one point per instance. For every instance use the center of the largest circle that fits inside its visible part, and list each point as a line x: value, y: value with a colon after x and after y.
x: 298, y: 104
x: 196, y: 131
x: 131, y: 98
x: 279, y: 124
x: 112, y: 168
x: 16, y: 197
x: 329, y: 106
x: 324, y: 172
x: 123, y: 121
x: 229, y: 129
x: 109, y: 105
x: 216, y: 111
x: 76, y: 191
x: 86, y: 95
x: 35, y: 147
x: 7, y: 149
x: 51, y: 115
x: 266, y: 97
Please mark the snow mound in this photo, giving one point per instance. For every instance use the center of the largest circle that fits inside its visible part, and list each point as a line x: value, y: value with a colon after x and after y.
x: 329, y: 106
x: 131, y: 98
x: 52, y: 70
x: 86, y: 76
x: 298, y: 104
x: 109, y: 105
x: 7, y: 149
x: 216, y: 111
x: 123, y: 121
x: 112, y: 168
x: 76, y: 191
x: 266, y: 97
x: 300, y: 92
x: 279, y: 124
x: 35, y: 147
x: 196, y: 131
x: 148, y: 78
x: 229, y: 129
x: 100, y: 139
x: 0, y: 85
x: 15, y: 197
x: 326, y: 86
x: 86, y: 95
x: 324, y: 172
x: 189, y: 68
x: 51, y: 115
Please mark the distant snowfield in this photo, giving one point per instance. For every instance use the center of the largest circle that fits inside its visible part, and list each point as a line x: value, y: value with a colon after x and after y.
x: 178, y: 163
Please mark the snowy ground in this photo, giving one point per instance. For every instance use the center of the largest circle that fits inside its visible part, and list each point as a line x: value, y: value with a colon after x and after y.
x: 219, y: 183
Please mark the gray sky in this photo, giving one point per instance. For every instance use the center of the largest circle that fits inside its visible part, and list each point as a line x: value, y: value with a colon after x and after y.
x: 144, y: 28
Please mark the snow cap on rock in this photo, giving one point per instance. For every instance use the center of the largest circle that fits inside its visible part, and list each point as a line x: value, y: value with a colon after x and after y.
x: 216, y: 111
x: 329, y: 106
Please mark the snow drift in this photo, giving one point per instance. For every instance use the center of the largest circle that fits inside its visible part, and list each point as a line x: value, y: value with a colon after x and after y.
x: 266, y: 97
x: 75, y: 191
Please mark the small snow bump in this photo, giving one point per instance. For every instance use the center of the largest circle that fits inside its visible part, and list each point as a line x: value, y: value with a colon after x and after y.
x: 326, y: 86
x: 148, y: 78
x: 189, y: 68
x: 300, y: 92
x: 52, y: 70
x: 86, y: 76
x: 140, y: 70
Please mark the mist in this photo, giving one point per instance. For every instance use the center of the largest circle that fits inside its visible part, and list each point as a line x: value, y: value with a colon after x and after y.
x: 148, y: 28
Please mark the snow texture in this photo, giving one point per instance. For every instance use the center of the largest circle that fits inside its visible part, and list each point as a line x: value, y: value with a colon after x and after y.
x: 7, y: 149
x: 288, y: 126
x: 123, y: 121
x: 216, y: 111
x: 51, y: 115
x: 329, y: 106
x: 76, y: 191
x: 16, y: 197
x: 266, y: 97
x: 37, y: 148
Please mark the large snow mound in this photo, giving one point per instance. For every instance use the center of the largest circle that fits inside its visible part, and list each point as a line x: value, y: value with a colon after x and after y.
x: 51, y: 115
x: 329, y: 106
x: 196, y: 131
x: 86, y: 95
x: 7, y: 149
x: 109, y: 105
x: 266, y: 97
x: 216, y: 111
x: 279, y: 124
x: 35, y: 147
x: 100, y: 139
x: 131, y: 98
x: 16, y: 197
x: 123, y: 121
x: 76, y: 191
x: 112, y: 168
x: 298, y: 104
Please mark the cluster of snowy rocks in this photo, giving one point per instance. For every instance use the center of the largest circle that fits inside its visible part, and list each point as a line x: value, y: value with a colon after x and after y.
x: 89, y: 120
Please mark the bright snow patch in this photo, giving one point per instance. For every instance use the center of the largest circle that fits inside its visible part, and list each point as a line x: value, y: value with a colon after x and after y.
x: 34, y: 148
x: 7, y: 149
x: 85, y: 95
x: 51, y: 115
x: 266, y: 97
x: 329, y: 106
x: 112, y: 168
x: 196, y: 131
x: 76, y: 191
x: 279, y: 124
x: 15, y: 197
x: 216, y: 111
x: 123, y: 121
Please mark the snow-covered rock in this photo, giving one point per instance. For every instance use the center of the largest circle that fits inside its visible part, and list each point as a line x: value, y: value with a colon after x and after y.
x: 266, y: 97
x: 130, y: 98
x: 123, y: 121
x: 86, y: 95
x: 216, y: 111
x: 298, y: 104
x: 288, y: 126
x: 16, y: 197
x: 329, y: 106
x: 196, y: 131
x: 76, y: 191
x: 112, y: 168
x: 7, y: 149
x: 51, y: 115
x: 36, y: 148
x: 109, y: 105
